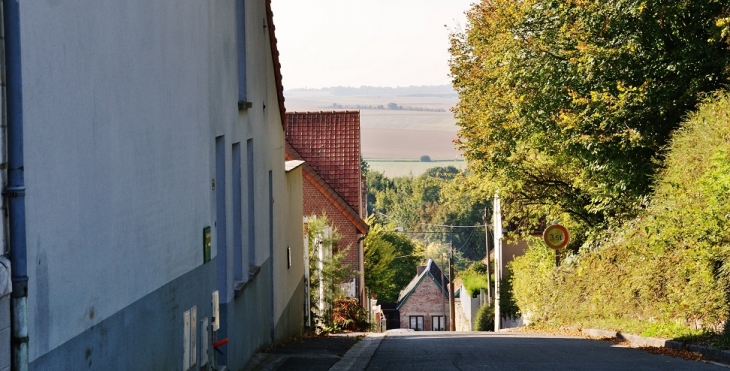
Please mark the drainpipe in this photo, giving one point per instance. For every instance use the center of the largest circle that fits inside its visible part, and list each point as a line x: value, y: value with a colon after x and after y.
x: 15, y: 189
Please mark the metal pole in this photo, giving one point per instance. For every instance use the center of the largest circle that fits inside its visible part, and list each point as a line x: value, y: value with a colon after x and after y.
x: 486, y: 243
x: 15, y: 190
x: 452, y: 311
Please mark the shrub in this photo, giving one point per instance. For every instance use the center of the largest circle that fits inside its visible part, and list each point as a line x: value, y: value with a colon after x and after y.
x: 666, y: 271
x: 473, y: 282
x: 347, y: 314
x: 485, y: 319
x: 425, y: 158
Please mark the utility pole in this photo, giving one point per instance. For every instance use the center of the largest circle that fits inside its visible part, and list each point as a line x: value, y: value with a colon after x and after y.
x: 443, y: 307
x: 452, y: 311
x: 486, y: 243
x: 497, y: 260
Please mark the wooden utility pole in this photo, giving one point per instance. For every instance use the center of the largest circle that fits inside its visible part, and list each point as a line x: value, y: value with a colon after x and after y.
x: 443, y: 307
x: 452, y: 310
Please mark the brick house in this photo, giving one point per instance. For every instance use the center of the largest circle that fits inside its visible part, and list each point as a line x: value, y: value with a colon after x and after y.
x: 329, y: 143
x: 424, y: 303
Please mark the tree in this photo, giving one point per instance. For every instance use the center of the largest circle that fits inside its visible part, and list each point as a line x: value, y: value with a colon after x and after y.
x: 327, y: 273
x: 391, y: 259
x: 566, y: 106
x: 433, y: 198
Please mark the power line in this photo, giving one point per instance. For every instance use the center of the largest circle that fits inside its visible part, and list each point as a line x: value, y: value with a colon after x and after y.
x: 452, y: 226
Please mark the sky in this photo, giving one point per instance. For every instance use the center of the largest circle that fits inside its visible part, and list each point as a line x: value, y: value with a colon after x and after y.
x: 324, y: 43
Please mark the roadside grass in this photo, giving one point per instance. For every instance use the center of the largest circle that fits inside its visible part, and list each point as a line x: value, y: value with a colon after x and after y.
x: 671, y: 331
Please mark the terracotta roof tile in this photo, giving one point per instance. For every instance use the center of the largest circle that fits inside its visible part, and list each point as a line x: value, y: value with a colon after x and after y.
x: 330, y: 143
x: 348, y: 211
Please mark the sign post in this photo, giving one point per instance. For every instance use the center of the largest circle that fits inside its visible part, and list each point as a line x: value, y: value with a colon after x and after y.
x: 556, y: 237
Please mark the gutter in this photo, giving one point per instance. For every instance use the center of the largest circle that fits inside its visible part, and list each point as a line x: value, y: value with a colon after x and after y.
x: 15, y: 189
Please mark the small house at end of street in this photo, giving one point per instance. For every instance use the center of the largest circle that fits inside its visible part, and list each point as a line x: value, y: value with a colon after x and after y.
x: 424, y: 304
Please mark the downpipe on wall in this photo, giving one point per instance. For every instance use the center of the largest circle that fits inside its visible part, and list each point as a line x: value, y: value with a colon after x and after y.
x: 15, y: 189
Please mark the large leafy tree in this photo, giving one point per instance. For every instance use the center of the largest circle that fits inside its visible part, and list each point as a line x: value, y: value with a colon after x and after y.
x: 565, y: 105
x: 391, y: 259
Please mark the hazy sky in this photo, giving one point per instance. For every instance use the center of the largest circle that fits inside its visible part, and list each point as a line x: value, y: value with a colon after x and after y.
x: 357, y: 42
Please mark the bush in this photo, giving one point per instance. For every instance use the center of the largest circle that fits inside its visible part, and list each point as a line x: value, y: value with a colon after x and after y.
x: 485, y: 319
x: 347, y: 314
x: 425, y: 158
x: 667, y: 271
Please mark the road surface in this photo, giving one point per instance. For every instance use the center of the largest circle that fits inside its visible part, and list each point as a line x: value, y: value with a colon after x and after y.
x: 514, y: 351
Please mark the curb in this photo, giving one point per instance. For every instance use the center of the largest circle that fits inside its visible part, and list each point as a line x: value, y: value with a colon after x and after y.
x: 358, y: 357
x: 708, y: 353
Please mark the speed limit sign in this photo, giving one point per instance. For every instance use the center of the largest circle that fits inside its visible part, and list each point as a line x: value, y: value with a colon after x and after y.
x: 556, y: 236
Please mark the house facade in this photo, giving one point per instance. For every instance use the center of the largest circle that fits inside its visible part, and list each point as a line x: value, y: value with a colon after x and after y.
x: 157, y: 209
x: 423, y: 305
x: 329, y: 142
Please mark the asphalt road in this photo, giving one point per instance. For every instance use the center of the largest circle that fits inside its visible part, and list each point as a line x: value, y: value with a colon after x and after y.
x: 515, y: 351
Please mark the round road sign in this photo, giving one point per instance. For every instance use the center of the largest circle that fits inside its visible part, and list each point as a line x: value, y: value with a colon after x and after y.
x: 556, y: 236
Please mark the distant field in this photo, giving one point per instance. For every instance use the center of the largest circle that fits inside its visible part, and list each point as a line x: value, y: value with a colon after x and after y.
x: 410, y: 144
x: 394, y: 140
x: 401, y: 167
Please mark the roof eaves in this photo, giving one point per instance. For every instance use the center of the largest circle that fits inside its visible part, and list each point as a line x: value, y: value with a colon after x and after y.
x: 328, y: 192
x: 277, y: 65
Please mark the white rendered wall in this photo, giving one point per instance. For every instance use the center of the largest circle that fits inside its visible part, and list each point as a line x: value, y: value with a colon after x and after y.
x: 122, y: 104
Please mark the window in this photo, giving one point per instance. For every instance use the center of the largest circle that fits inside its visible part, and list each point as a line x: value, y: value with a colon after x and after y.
x: 237, y: 214
x: 416, y: 323
x: 241, y: 51
x: 220, y: 225
x: 250, y: 215
x: 437, y: 323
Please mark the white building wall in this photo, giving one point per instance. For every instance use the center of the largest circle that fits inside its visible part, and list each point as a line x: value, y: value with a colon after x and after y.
x: 122, y: 104
x: 5, y: 284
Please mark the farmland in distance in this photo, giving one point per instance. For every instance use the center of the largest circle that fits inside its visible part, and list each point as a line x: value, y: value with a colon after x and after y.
x: 398, y: 125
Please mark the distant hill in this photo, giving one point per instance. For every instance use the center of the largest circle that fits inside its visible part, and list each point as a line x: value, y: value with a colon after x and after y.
x: 442, y: 91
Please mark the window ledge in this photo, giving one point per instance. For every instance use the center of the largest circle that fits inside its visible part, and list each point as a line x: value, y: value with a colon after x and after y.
x: 243, y: 105
x: 239, y: 285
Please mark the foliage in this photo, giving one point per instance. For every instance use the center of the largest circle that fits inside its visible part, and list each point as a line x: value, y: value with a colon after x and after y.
x: 440, y: 252
x: 347, y: 314
x: 666, y: 271
x: 507, y: 303
x: 428, y: 203
x: 391, y: 259
x: 484, y: 320
x: 565, y: 105
x: 475, y: 278
x: 328, y: 272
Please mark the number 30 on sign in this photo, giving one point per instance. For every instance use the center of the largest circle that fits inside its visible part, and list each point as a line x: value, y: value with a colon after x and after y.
x: 556, y: 236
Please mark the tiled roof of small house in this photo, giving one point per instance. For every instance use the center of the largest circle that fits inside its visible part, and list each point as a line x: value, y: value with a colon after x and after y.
x: 433, y: 272
x: 330, y: 143
x: 328, y: 192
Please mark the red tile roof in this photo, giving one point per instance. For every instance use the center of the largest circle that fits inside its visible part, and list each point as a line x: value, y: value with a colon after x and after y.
x: 275, y: 58
x: 330, y: 194
x: 330, y: 143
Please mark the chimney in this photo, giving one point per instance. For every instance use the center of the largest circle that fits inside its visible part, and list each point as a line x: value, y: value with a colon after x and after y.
x: 420, y: 269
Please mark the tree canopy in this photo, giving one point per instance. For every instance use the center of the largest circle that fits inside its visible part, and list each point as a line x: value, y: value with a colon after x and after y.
x: 429, y: 203
x: 566, y: 106
x: 391, y: 259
